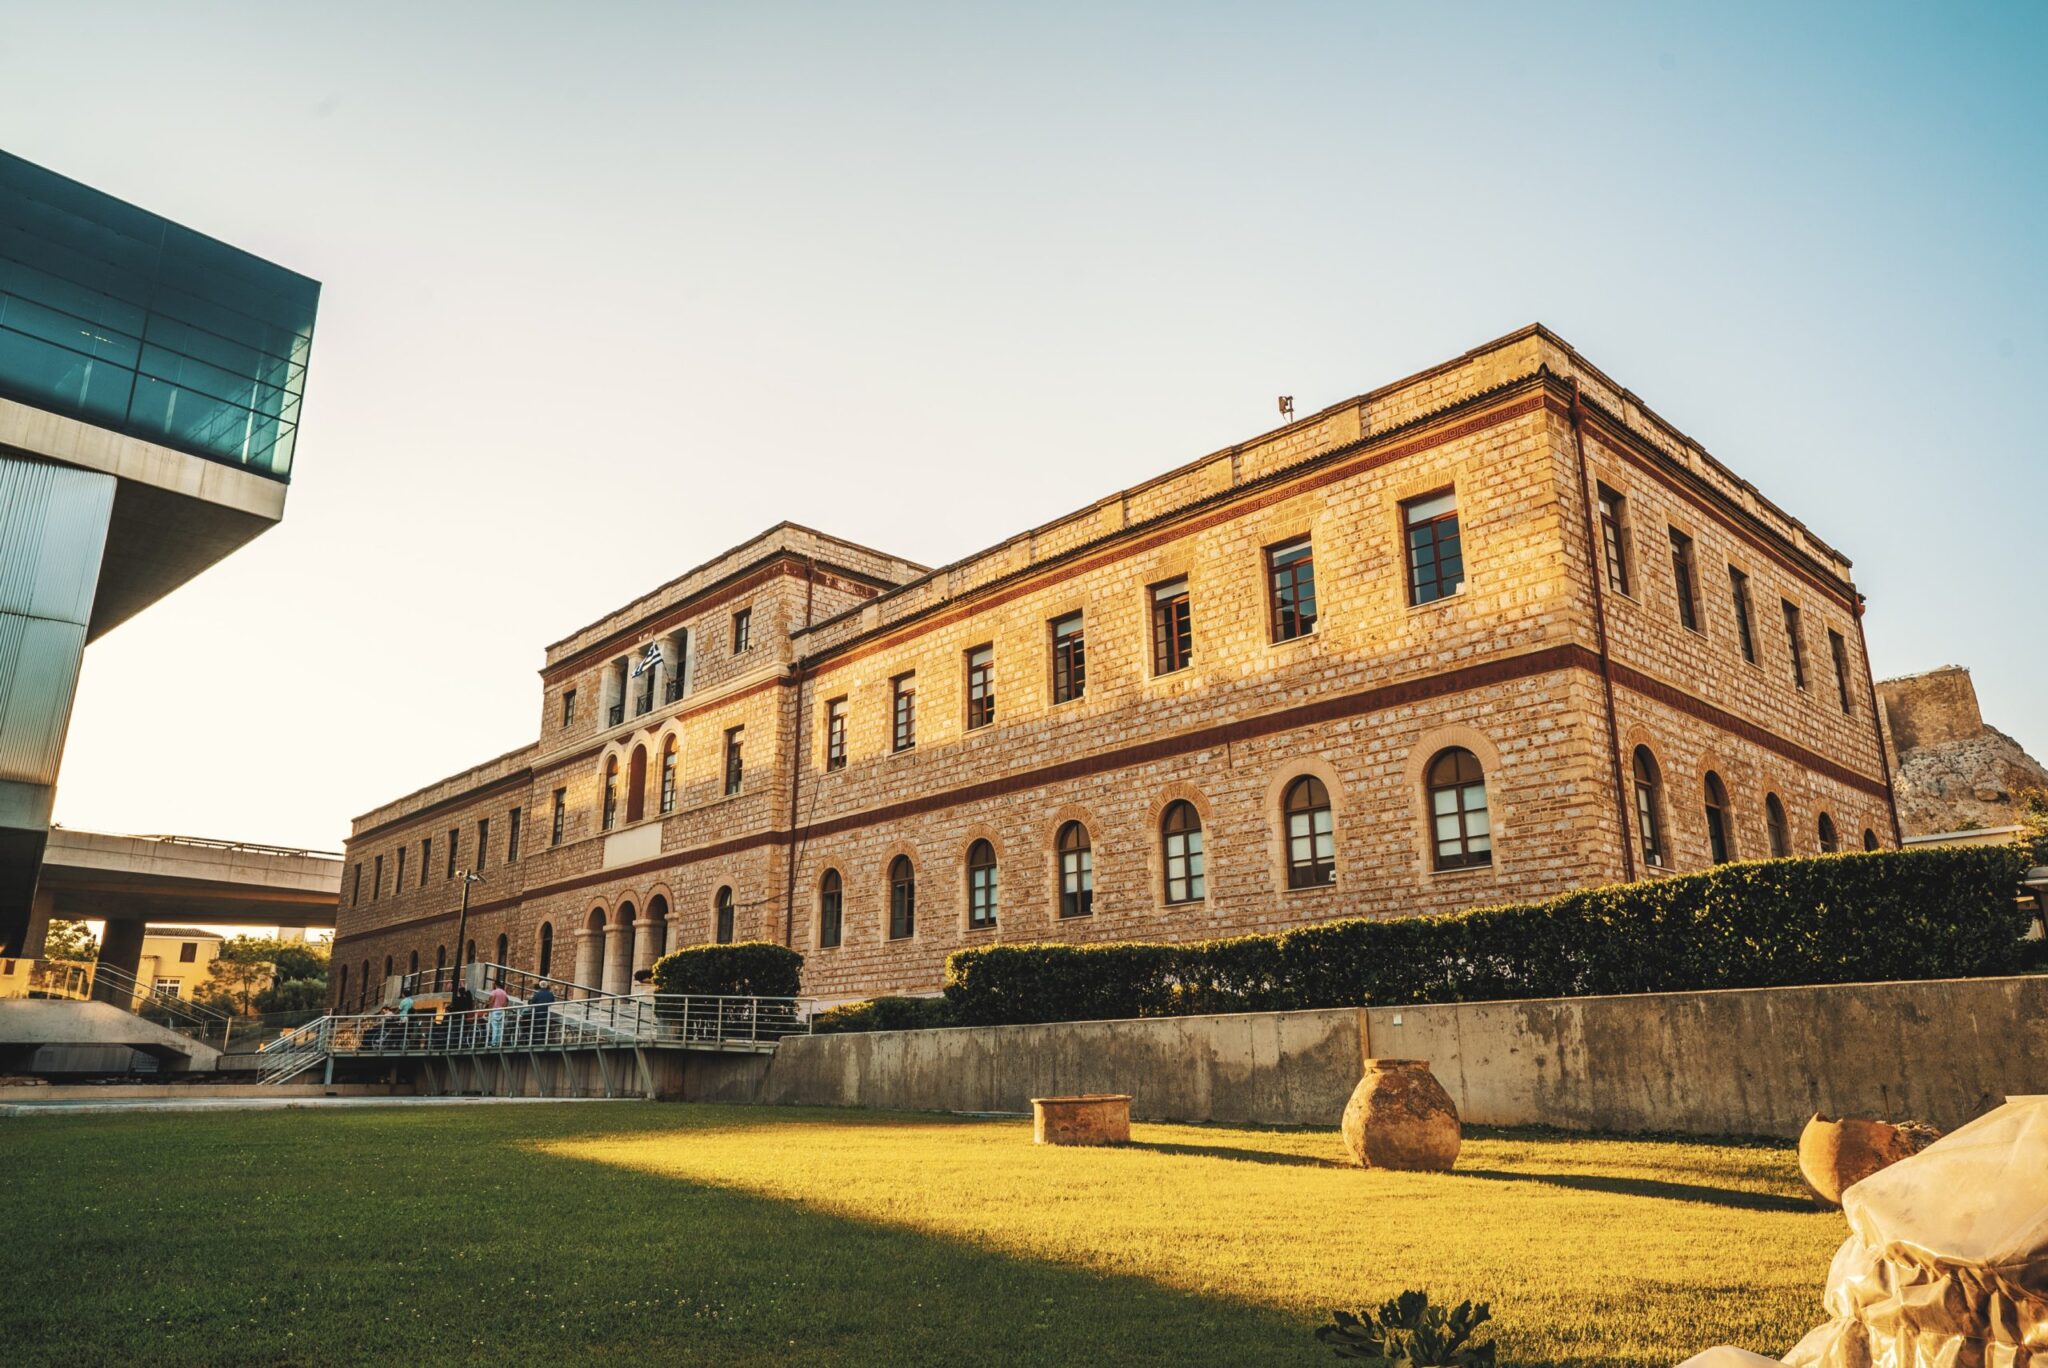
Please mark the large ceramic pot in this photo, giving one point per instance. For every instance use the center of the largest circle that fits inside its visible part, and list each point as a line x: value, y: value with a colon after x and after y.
x: 1400, y: 1117
x: 1835, y: 1154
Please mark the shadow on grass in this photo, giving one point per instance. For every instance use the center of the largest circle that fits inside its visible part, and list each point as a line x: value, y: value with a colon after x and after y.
x: 1249, y: 1156
x: 1649, y: 1187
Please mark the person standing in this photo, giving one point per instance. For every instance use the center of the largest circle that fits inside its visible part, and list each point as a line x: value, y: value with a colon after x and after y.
x: 539, y: 1010
x: 497, y: 1000
x: 461, y: 1014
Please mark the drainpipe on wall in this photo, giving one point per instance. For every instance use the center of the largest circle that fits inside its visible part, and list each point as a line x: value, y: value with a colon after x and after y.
x: 1628, y: 846
x: 796, y: 763
x: 1884, y: 761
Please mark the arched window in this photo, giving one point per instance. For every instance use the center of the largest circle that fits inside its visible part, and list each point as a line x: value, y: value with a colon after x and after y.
x: 1719, y: 841
x: 412, y: 963
x: 545, y: 964
x: 1311, y: 839
x: 981, y: 886
x: 1077, y: 871
x: 723, y: 906
x: 657, y: 934
x: 831, y: 910
x: 1461, y: 831
x: 1869, y: 839
x: 1781, y: 831
x: 902, y: 898
x: 363, y: 988
x: 1180, y: 835
x: 504, y: 954
x: 668, y: 775
x: 387, y: 966
x: 636, y: 785
x: 440, y: 959
x: 341, y: 988
x: 611, y: 792
x: 1830, y: 839
x: 1649, y: 803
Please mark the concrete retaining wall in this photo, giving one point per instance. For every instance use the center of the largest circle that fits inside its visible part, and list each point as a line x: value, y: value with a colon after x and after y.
x: 1749, y: 1062
x: 1271, y: 1067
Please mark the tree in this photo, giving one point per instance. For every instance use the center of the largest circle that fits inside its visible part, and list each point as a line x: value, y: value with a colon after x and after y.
x: 293, y: 995
x: 232, y: 985
x: 70, y: 940
x: 292, y: 959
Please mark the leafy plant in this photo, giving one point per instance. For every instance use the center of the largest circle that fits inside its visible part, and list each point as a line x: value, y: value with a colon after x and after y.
x: 1408, y: 1332
x: 885, y: 1014
x: 1898, y: 914
x: 744, y: 969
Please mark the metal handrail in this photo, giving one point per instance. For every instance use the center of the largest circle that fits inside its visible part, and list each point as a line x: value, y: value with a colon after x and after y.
x: 606, y: 1020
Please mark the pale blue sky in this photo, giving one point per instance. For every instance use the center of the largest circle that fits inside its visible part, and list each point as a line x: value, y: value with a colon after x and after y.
x: 610, y: 287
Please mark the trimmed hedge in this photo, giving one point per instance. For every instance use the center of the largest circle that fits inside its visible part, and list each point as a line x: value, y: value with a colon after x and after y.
x: 886, y: 1014
x: 1938, y: 913
x: 745, y: 969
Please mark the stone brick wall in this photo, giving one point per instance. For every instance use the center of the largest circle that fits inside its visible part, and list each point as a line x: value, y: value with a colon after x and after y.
x: 1955, y: 773
x: 1509, y: 668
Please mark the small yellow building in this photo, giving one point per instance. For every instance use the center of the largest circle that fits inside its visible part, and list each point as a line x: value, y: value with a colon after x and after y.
x: 177, y: 960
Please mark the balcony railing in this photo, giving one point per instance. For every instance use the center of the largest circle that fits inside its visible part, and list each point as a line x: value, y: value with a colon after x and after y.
x: 617, y: 713
x: 672, y: 691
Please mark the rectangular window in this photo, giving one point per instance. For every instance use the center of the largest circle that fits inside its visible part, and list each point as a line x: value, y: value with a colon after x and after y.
x: 483, y: 842
x: 1614, y: 537
x: 1682, y: 578
x: 355, y: 892
x: 568, y: 706
x: 1291, y: 575
x: 1436, y: 554
x: 1069, y: 659
x: 560, y: 817
x: 831, y: 915
x: 903, y: 708
x: 377, y: 879
x: 1738, y: 586
x: 188, y: 953
x: 1839, y: 649
x: 981, y: 687
x: 1795, y: 639
x: 742, y: 630
x: 398, y: 874
x: 835, y: 734
x: 512, y: 837
x: 734, y: 771
x: 166, y: 988
x: 454, y: 846
x: 426, y: 858
x: 1173, y: 627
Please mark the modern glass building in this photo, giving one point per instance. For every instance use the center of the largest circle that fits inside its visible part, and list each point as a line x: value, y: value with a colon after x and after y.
x: 125, y: 320
x: 150, y: 381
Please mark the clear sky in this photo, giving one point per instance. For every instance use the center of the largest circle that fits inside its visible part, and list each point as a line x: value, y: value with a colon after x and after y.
x: 610, y: 287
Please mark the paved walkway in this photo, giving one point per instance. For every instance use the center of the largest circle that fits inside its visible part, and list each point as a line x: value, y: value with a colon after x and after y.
x: 77, y: 1107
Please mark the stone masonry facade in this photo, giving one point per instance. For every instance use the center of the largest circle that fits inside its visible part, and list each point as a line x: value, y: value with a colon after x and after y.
x: 1603, y: 716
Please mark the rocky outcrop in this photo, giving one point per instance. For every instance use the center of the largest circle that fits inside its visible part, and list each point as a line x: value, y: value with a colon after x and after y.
x: 1951, y: 772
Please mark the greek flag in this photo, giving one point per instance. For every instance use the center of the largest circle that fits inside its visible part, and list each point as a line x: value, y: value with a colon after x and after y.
x: 650, y: 658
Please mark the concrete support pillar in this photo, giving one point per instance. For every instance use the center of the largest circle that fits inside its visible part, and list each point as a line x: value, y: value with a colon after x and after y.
x: 644, y: 945
x: 120, y: 948
x: 589, y: 945
x: 41, y: 910
x: 618, y: 958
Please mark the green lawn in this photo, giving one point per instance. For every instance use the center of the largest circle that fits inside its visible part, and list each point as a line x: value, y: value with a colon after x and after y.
x: 626, y: 1233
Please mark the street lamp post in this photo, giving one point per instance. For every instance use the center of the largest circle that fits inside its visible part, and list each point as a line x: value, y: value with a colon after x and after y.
x: 462, y: 923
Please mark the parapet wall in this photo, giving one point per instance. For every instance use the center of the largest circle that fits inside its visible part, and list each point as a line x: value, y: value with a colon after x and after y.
x: 1747, y: 1062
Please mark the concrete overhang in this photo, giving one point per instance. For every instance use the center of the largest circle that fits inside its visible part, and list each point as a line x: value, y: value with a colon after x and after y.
x: 174, y: 515
x: 183, y: 879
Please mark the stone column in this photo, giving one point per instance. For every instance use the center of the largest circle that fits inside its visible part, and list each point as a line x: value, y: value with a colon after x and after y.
x: 41, y: 910
x: 618, y: 958
x: 589, y: 945
x: 643, y: 950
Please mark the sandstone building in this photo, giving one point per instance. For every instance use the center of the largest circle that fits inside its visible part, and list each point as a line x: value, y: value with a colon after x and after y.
x: 1488, y: 633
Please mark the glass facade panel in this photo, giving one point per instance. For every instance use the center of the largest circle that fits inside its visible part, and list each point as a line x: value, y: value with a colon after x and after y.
x: 128, y: 321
